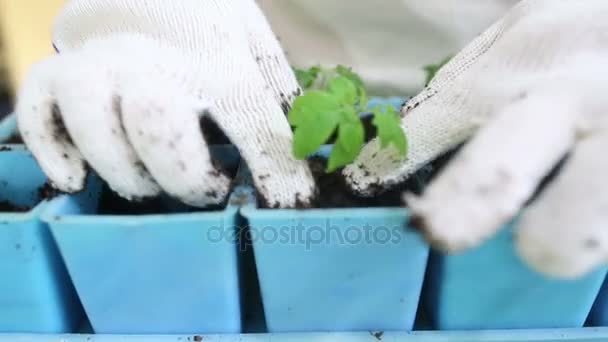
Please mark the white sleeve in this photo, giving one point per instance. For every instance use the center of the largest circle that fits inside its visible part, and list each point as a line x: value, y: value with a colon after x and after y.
x: 387, y: 42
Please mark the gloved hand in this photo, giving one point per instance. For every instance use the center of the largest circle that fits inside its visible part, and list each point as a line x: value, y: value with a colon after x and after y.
x: 132, y: 80
x: 533, y: 87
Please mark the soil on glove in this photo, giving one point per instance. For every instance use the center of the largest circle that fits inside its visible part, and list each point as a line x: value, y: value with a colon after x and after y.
x: 7, y: 207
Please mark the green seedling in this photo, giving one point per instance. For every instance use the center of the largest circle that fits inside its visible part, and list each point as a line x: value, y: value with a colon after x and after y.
x: 332, y: 103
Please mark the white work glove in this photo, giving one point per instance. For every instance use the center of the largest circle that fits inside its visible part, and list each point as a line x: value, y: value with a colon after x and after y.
x: 534, y: 87
x: 131, y: 82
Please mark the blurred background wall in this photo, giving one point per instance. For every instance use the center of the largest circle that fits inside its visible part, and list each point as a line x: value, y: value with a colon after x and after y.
x: 25, y: 37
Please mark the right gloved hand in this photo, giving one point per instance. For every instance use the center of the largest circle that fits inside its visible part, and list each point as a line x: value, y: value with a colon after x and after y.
x: 527, y: 92
x: 131, y: 82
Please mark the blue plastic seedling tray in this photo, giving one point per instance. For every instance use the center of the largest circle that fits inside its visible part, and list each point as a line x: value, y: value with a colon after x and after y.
x: 311, y: 264
x: 328, y: 283
x: 36, y: 294
x: 354, y: 269
x: 491, y: 288
x: 468, y: 291
x: 152, y: 274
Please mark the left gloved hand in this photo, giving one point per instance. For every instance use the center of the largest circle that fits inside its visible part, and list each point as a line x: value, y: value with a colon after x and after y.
x: 533, y: 87
x: 131, y: 83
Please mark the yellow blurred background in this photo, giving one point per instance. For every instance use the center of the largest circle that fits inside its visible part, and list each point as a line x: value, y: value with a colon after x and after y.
x: 25, y: 36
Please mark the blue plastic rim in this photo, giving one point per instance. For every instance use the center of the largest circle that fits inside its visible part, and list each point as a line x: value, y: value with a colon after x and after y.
x: 491, y: 288
x: 337, y: 270
x: 36, y: 294
x: 153, y: 274
x: 553, y: 335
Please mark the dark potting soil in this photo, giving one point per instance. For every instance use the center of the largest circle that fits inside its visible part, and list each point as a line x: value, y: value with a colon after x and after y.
x: 14, y: 139
x: 44, y: 192
x: 370, y: 130
x: 335, y: 193
x: 112, y: 204
x: 47, y: 192
x: 7, y: 207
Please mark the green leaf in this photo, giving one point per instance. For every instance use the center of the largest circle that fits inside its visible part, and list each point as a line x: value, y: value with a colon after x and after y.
x: 389, y: 129
x: 333, y: 102
x: 338, y: 158
x: 348, y: 73
x: 351, y: 136
x: 315, y: 116
x: 357, y: 81
x: 344, y: 90
x: 349, y: 114
x: 309, y: 137
x: 315, y: 103
x: 432, y: 69
x: 306, y: 78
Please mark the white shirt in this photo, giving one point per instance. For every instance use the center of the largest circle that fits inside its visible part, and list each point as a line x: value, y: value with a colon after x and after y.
x: 387, y: 42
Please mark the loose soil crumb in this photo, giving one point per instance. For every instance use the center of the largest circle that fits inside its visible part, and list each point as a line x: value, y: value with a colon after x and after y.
x: 5, y: 149
x: 377, y: 334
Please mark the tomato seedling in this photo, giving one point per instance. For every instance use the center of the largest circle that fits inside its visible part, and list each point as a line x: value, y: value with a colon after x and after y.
x: 333, y: 101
